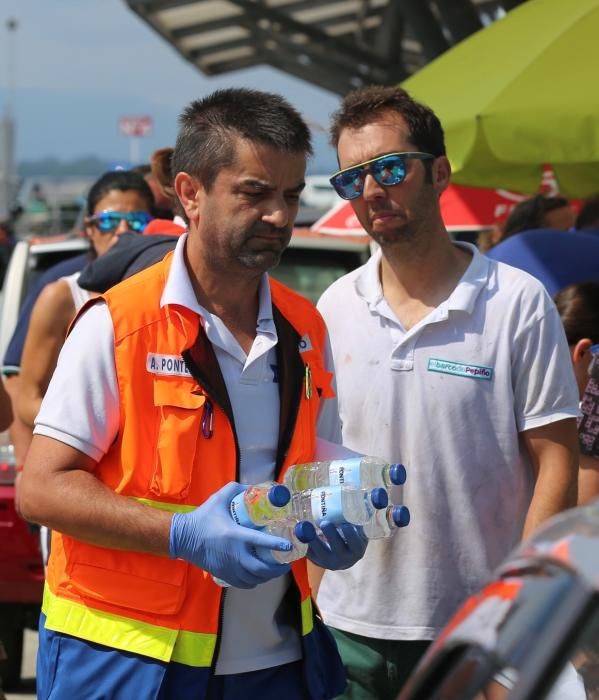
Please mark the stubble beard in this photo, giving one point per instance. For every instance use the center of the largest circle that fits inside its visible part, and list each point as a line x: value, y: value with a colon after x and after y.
x: 264, y: 258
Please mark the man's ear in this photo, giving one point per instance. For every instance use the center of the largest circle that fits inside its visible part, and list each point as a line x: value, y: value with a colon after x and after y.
x: 188, y: 191
x: 581, y: 348
x: 441, y: 173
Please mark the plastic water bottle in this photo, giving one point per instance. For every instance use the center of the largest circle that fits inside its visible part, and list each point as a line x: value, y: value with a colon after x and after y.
x: 361, y: 472
x: 299, y: 532
x: 260, y: 504
x: 385, y: 523
x: 339, y: 504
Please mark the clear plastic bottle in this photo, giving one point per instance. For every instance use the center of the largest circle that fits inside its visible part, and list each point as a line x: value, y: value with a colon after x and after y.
x: 260, y: 504
x: 299, y: 532
x: 339, y: 504
x: 385, y: 523
x: 361, y: 472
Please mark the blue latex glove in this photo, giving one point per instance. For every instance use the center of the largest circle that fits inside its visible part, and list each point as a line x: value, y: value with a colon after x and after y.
x: 344, y: 546
x: 209, y: 538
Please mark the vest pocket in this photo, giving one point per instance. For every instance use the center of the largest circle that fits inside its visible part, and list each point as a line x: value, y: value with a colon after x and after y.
x: 179, y: 425
x: 143, y: 582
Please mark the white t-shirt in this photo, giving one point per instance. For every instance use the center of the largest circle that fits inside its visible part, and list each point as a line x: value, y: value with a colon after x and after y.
x: 252, y: 637
x: 447, y: 398
x: 80, y: 295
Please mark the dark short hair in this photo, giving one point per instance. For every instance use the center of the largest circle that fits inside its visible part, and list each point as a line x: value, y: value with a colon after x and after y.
x: 363, y: 106
x: 123, y: 180
x: 588, y: 216
x: 530, y: 214
x: 208, y: 127
x: 578, y: 307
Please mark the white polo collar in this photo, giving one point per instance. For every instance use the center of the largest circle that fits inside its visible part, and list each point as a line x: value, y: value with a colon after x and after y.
x: 368, y: 282
x: 179, y: 290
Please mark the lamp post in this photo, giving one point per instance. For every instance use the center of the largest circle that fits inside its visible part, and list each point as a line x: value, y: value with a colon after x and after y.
x: 7, y: 127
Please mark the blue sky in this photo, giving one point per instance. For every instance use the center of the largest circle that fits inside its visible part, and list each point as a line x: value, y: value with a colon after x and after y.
x: 79, y: 65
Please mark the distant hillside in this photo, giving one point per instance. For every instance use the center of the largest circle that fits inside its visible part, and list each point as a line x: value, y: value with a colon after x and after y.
x: 86, y: 166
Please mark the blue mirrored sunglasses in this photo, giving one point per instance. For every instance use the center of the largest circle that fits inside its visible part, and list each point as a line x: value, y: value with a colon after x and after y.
x: 108, y: 221
x: 387, y: 170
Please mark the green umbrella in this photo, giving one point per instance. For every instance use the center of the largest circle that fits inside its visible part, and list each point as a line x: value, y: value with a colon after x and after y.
x: 519, y: 94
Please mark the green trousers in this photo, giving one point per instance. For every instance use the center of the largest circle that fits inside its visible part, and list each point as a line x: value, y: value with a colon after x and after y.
x: 376, y: 668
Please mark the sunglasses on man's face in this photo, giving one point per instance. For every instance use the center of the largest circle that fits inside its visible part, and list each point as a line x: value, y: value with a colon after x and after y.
x: 109, y: 221
x: 387, y: 170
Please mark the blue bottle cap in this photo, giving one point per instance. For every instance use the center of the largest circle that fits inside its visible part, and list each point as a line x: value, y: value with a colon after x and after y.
x: 397, y: 474
x: 379, y: 498
x: 401, y: 516
x: 279, y: 495
x: 305, y: 531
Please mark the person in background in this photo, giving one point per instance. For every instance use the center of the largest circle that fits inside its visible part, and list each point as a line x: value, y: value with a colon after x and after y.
x: 539, y: 211
x: 20, y: 433
x: 158, y: 176
x: 451, y: 364
x: 588, y: 216
x: 196, y: 374
x: 578, y: 307
x: 118, y: 202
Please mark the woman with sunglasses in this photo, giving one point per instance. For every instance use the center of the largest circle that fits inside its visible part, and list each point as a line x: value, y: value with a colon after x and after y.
x: 117, y: 202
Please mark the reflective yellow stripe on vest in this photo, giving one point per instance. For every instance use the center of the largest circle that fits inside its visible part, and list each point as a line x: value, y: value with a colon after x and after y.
x: 190, y: 648
x: 307, y: 619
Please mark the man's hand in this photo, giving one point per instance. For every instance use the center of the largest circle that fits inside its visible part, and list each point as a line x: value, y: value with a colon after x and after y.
x: 344, y: 546
x: 209, y: 538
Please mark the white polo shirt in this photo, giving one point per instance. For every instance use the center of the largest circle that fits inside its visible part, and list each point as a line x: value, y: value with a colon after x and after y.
x: 448, y: 398
x: 81, y: 408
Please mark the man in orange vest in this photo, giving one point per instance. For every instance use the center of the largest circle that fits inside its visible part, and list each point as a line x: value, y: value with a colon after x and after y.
x: 194, y: 376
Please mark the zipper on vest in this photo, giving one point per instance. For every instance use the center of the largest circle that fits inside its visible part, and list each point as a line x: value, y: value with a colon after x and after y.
x: 308, y: 381
x: 208, y: 419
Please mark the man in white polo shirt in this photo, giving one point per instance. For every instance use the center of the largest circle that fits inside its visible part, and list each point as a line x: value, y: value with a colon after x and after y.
x: 451, y: 363
x: 178, y: 386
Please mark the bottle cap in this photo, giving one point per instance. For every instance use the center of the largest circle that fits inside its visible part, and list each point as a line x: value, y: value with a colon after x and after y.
x: 397, y: 474
x: 279, y: 495
x: 379, y: 498
x: 401, y: 516
x: 304, y: 531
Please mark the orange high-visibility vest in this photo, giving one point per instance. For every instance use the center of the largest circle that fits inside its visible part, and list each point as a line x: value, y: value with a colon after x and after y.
x: 176, y: 446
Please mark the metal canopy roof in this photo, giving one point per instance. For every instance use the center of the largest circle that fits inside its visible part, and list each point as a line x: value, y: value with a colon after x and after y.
x: 335, y: 44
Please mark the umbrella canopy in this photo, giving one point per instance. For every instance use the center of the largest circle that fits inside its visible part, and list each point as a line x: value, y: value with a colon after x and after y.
x: 519, y: 94
x: 556, y: 258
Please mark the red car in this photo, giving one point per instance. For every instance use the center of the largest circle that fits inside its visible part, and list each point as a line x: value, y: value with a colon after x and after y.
x: 22, y: 577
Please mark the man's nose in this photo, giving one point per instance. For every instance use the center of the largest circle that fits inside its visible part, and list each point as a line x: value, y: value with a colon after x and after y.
x: 278, y: 214
x: 372, y: 189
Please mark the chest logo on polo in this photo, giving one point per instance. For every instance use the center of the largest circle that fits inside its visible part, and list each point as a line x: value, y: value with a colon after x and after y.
x: 167, y: 365
x: 460, y: 369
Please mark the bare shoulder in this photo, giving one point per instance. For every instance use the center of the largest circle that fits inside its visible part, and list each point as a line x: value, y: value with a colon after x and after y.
x: 54, y: 304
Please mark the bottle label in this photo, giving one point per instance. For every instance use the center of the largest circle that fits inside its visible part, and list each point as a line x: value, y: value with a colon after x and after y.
x: 345, y: 471
x: 326, y: 504
x: 239, y: 512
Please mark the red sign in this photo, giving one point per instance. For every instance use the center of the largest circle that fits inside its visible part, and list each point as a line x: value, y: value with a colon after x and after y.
x: 135, y: 126
x: 462, y: 209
